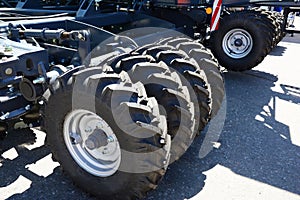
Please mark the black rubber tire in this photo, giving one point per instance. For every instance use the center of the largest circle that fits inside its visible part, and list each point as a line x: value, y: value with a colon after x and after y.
x: 166, y: 87
x: 209, y: 65
x: 178, y: 39
x: 191, y: 76
x: 270, y: 25
x: 274, y: 20
x: 277, y: 25
x: 261, y: 40
x: 113, y: 93
x: 280, y: 21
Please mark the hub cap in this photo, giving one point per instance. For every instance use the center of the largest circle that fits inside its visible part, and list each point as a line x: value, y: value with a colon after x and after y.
x: 92, y: 143
x: 237, y: 43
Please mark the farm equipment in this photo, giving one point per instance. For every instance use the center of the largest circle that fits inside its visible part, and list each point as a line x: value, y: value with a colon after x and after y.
x: 120, y: 100
x: 228, y: 27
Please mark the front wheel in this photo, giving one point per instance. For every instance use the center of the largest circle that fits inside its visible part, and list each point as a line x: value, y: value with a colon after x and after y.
x: 109, y: 138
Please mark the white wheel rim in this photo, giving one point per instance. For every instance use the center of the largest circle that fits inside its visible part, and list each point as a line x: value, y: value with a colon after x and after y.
x: 237, y: 43
x: 78, y: 129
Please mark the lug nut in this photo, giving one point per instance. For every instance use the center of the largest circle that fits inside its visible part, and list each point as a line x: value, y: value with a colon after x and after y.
x: 110, y: 139
x: 76, y: 138
x: 105, y: 151
x: 99, y: 125
x: 88, y: 129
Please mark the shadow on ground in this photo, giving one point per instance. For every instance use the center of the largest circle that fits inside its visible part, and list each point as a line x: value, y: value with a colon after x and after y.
x: 253, y: 144
x: 277, y: 51
x: 54, y: 186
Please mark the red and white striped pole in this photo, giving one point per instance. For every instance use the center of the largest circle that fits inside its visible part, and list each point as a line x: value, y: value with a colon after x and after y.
x: 215, y: 18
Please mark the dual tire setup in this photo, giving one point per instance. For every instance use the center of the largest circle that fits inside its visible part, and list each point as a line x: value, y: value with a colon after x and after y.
x: 116, y: 128
x: 245, y: 38
x: 117, y: 125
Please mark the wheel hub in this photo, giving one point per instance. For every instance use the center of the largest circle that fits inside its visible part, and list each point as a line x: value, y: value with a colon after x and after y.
x: 96, y: 140
x: 92, y: 143
x: 237, y: 43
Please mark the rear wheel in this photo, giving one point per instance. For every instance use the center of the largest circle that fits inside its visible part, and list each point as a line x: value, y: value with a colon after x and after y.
x: 241, y: 42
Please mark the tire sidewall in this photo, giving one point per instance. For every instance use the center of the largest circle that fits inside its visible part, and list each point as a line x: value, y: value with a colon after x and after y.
x: 116, y: 185
x: 229, y: 23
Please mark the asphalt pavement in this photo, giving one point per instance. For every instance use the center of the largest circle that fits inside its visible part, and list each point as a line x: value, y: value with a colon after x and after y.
x: 254, y: 154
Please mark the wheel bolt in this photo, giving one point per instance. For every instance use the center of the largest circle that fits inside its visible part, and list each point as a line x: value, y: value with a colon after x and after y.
x: 105, y: 151
x: 110, y: 139
x: 88, y: 129
x: 76, y: 138
x: 99, y: 125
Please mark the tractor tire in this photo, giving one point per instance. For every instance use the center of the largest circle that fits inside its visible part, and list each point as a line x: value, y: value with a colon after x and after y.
x: 280, y: 21
x: 191, y: 76
x: 277, y: 20
x: 109, y: 138
x: 270, y: 25
x: 279, y: 33
x: 209, y: 65
x: 241, y: 42
x: 173, y: 98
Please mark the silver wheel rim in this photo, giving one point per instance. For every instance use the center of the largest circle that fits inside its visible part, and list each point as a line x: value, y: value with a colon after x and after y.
x: 92, y: 143
x: 237, y: 43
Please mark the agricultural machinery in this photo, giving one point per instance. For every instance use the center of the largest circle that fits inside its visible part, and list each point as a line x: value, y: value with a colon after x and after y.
x: 122, y: 87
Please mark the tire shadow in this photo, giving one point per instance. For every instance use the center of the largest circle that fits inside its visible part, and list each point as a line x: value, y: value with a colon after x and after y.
x: 184, y: 178
x: 277, y: 51
x: 18, y: 181
x: 253, y: 143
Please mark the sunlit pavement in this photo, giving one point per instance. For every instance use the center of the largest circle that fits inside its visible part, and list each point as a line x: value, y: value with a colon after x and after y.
x: 270, y: 162
x: 256, y: 155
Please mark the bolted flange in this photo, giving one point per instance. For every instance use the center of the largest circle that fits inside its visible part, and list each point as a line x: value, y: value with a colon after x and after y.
x: 96, y: 140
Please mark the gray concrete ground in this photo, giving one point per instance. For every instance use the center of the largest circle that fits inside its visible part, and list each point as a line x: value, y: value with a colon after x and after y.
x: 256, y: 156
